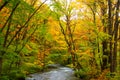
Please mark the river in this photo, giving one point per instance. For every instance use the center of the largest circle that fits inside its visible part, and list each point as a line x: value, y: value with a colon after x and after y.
x: 59, y: 73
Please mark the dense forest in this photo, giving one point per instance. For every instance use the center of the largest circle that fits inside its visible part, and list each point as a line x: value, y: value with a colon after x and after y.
x: 81, y: 34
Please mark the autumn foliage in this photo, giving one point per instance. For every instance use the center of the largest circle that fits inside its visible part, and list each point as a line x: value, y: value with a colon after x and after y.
x: 81, y: 34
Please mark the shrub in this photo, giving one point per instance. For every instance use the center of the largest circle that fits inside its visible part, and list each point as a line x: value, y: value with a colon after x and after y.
x: 88, y: 67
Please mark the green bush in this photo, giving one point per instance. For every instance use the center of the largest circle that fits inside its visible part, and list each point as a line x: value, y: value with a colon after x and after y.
x: 31, y: 68
x: 12, y: 75
x: 113, y: 76
x: 87, y: 69
x: 82, y: 74
x: 4, y: 78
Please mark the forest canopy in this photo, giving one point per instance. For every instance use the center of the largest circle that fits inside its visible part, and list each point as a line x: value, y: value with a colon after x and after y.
x: 81, y: 34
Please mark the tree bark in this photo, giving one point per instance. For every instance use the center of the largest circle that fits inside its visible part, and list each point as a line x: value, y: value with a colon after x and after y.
x: 116, y: 24
x: 105, y: 53
x: 111, y: 35
x: 1, y: 60
x: 68, y: 38
x: 71, y: 47
x: 0, y: 65
x: 105, y: 42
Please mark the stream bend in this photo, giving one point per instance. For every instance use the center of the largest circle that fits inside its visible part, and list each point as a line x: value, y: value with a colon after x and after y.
x: 60, y: 73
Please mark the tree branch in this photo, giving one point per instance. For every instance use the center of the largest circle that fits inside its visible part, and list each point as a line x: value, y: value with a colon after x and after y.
x: 25, y: 23
x: 4, y: 4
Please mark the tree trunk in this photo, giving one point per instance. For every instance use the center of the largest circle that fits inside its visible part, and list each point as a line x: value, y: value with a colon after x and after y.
x: 104, y: 43
x: 70, y: 39
x: 105, y: 53
x: 1, y: 61
x: 72, y: 53
x: 116, y: 24
x: 110, y: 33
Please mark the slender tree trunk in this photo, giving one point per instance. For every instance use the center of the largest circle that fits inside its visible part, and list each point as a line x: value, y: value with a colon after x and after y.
x: 105, y: 53
x: 116, y: 24
x: 68, y: 38
x: 6, y: 35
x: 104, y: 43
x: 104, y: 49
x: 110, y: 33
x: 1, y: 60
x: 71, y: 47
x: 1, y: 65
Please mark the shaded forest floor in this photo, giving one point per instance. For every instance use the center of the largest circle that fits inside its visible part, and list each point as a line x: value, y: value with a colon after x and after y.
x: 102, y: 76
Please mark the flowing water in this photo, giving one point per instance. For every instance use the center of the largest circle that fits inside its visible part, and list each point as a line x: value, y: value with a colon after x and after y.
x: 60, y: 73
